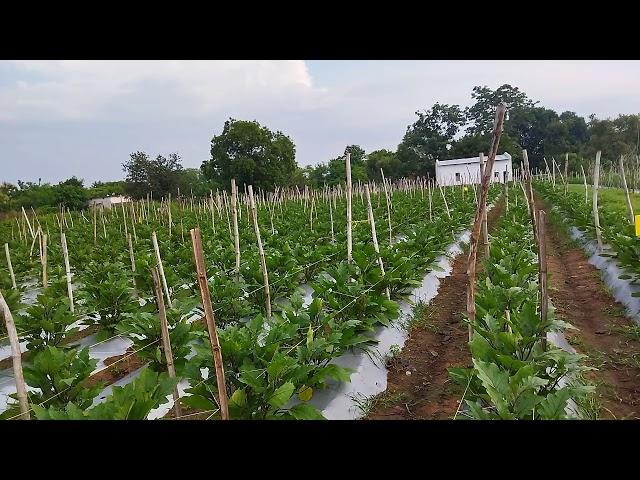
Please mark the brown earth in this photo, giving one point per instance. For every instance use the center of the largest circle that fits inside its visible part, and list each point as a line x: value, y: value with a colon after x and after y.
x: 606, y: 335
x: 437, y: 341
x: 118, y: 366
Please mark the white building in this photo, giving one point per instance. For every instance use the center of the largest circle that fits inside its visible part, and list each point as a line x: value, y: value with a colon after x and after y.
x: 108, y: 202
x: 460, y: 171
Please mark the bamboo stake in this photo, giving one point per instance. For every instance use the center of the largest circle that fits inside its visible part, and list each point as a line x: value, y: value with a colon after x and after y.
x: 263, y: 262
x: 475, y: 232
x: 16, y: 357
x: 45, y: 281
x: 626, y: 191
x: 529, y: 195
x: 446, y: 206
x: 13, y: 277
x: 542, y: 282
x: 67, y: 269
x: 211, y: 323
x: 386, y: 196
x: 484, y: 230
x: 154, y: 240
x: 95, y: 227
x: 234, y: 214
x: 586, y: 194
x: 33, y: 235
x: 596, y: 217
x: 348, y: 193
x: 166, y: 342
x: 372, y: 222
x: 133, y: 263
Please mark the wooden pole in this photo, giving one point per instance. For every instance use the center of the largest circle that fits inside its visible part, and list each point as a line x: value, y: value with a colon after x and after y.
x: 484, y: 230
x: 386, y: 196
x: 348, y: 193
x: 529, y: 195
x: 234, y: 211
x: 542, y: 282
x: 33, y: 235
x: 45, y: 281
x: 333, y: 237
x: 16, y: 357
x: 372, y: 222
x: 596, y: 217
x: 67, y: 269
x: 586, y: 190
x: 211, y: 323
x: 166, y: 342
x: 13, y: 277
x: 626, y: 191
x: 263, y: 263
x: 156, y: 249
x: 475, y: 232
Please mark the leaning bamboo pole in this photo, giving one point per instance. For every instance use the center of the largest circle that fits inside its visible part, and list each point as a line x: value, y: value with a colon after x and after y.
x: 596, y: 217
x: 11, y: 273
x: 211, y: 323
x: 166, y: 342
x: 156, y: 249
x: 349, y: 219
x: 263, y: 263
x: 16, y: 357
x: 542, y: 276
x: 376, y: 247
x: 626, y: 191
x: 67, y: 270
x: 234, y: 211
x: 475, y: 232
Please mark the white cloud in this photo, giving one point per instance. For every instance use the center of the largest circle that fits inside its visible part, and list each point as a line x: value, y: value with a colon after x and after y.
x: 140, y: 90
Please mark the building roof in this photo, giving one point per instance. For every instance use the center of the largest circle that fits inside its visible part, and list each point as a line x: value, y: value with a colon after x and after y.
x: 461, y: 161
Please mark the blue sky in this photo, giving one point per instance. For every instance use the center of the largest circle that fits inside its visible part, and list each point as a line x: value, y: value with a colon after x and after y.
x: 84, y: 118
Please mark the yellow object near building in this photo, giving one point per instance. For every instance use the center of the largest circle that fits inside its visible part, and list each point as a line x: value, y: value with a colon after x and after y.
x: 637, y: 225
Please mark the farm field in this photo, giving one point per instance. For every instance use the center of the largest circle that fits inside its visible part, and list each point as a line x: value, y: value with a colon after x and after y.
x: 277, y: 344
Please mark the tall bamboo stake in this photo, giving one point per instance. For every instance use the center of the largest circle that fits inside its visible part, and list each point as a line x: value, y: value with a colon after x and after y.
x: 475, y: 232
x: 211, y: 323
x: 234, y: 212
x: 529, y: 195
x: 166, y: 342
x: 67, y: 269
x: 348, y: 193
x: 43, y: 244
x: 386, y: 196
x: 16, y: 357
x: 156, y: 249
x: 372, y: 222
x: 13, y: 277
x: 484, y: 230
x: 626, y: 191
x: 542, y: 278
x: 596, y: 217
x: 586, y: 190
x: 263, y: 263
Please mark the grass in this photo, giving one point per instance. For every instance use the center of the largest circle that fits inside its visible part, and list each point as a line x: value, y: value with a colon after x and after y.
x: 610, y: 196
x: 386, y: 399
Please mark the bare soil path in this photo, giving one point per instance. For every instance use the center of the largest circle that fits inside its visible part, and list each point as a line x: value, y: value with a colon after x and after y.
x: 606, y: 335
x: 437, y: 341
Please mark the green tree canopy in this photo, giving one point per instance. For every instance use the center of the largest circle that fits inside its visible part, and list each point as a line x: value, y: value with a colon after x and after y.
x: 429, y: 138
x: 252, y: 154
x: 159, y: 176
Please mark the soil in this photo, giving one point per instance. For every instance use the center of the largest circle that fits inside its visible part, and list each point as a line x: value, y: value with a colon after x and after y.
x: 605, y: 334
x: 121, y: 369
x: 418, y: 383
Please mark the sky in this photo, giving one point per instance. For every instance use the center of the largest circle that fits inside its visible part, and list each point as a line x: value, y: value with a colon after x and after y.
x: 64, y: 118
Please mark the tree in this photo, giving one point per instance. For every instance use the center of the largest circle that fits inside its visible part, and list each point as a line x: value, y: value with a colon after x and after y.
x: 429, y: 138
x: 471, y: 145
x: 252, y: 154
x: 106, y: 189
x: 71, y: 194
x: 385, y: 159
x: 145, y: 176
x: 482, y: 114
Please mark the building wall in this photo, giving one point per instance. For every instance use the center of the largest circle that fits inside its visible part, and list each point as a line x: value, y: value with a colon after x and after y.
x: 468, y: 173
x: 108, y: 201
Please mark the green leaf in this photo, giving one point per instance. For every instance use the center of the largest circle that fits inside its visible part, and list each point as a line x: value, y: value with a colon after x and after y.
x: 239, y: 398
x: 282, y: 395
x: 304, y: 411
x: 198, y: 402
x: 553, y: 407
